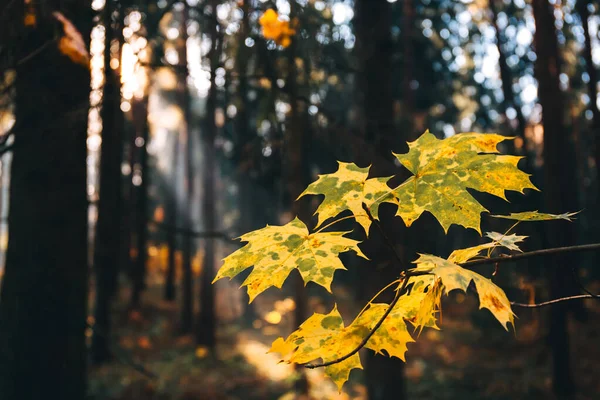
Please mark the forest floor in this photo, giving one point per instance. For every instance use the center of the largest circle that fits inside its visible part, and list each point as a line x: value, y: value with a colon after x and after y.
x: 471, y: 357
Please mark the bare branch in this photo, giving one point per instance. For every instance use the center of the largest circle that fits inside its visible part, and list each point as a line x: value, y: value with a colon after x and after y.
x: 536, y: 253
x: 550, y: 302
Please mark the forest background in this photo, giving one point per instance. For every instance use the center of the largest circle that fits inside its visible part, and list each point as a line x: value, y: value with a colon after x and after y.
x: 140, y: 137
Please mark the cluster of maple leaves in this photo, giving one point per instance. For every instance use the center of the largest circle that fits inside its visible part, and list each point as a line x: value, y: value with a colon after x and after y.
x: 442, y: 171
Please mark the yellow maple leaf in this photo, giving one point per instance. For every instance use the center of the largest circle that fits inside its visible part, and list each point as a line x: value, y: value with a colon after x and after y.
x: 443, y: 170
x: 455, y: 277
x: 323, y: 336
x: 275, y: 251
x: 347, y: 189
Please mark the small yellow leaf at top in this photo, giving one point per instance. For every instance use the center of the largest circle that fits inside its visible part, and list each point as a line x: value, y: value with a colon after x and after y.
x: 276, y: 29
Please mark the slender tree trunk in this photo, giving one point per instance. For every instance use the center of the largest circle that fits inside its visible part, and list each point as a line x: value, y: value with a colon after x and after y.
x: 244, y: 137
x: 207, y: 326
x: 187, y: 307
x: 584, y: 13
x: 139, y: 109
x: 106, y: 249
x: 507, y: 84
x: 559, y: 186
x: 384, y: 376
x: 171, y: 218
x: 43, y: 301
x: 298, y: 177
x: 408, y: 39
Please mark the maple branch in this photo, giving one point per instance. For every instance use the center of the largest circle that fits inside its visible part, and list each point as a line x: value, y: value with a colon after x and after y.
x: 387, y: 312
x: 535, y: 253
x: 555, y: 301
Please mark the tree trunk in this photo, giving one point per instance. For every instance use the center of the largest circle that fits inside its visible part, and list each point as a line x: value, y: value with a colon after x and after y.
x: 584, y: 13
x: 244, y: 137
x: 172, y: 221
x: 408, y: 59
x: 139, y: 110
x: 207, y: 324
x: 107, y: 244
x: 43, y: 302
x: 298, y: 177
x: 187, y: 307
x: 384, y: 376
x: 507, y: 84
x: 559, y: 186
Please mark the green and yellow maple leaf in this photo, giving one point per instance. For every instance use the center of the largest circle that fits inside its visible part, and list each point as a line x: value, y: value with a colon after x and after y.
x: 455, y: 277
x: 323, y: 336
x: 275, y: 251
x: 347, y: 189
x: 537, y: 216
x: 443, y: 170
x: 460, y: 256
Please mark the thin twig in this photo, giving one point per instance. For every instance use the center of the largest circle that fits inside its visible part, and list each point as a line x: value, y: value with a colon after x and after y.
x: 521, y: 256
x: 550, y: 302
x: 375, y: 328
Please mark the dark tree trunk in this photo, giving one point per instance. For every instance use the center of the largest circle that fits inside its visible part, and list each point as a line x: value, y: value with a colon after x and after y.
x: 108, y: 229
x: 298, y: 177
x: 139, y: 110
x: 559, y: 186
x: 372, y: 25
x: 171, y: 218
x: 207, y: 325
x: 384, y: 376
x: 43, y: 301
x: 244, y: 138
x: 507, y: 84
x: 187, y: 307
x: 408, y: 59
x: 582, y: 8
